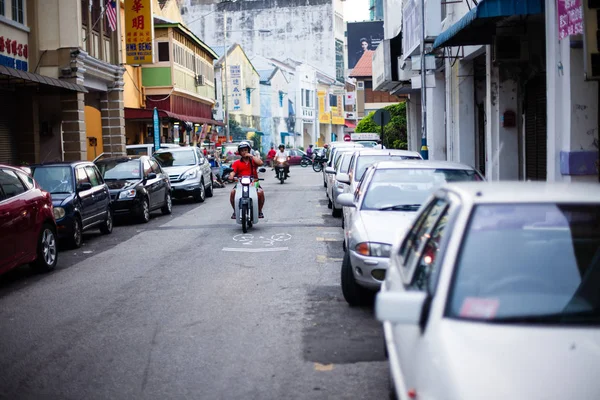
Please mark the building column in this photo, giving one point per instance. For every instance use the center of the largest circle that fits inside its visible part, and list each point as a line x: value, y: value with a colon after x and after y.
x: 73, y: 126
x: 572, y: 103
x: 413, y: 121
x: 461, y: 112
x: 436, y: 116
x: 113, y: 122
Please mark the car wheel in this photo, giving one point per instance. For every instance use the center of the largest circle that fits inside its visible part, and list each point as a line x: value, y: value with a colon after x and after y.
x: 107, y: 226
x: 200, y: 194
x: 77, y: 236
x: 144, y: 212
x: 337, y: 213
x: 209, y: 191
x: 354, y: 294
x: 343, y: 221
x: 47, y: 250
x: 329, y: 203
x: 168, y: 207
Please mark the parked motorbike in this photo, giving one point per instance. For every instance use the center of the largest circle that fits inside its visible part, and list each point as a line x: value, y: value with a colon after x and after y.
x: 318, y: 163
x: 246, y: 201
x: 280, y: 171
x: 306, y: 161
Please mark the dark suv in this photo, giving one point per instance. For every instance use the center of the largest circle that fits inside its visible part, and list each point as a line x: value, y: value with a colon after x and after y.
x: 80, y: 197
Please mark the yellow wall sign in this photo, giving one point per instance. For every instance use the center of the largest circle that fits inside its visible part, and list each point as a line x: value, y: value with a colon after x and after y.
x: 324, y: 116
x: 139, y: 32
x: 337, y: 114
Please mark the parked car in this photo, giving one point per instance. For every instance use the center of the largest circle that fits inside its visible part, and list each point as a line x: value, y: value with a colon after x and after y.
x: 27, y: 226
x: 496, y: 289
x: 332, y: 150
x: 229, y: 152
x: 80, y: 197
x: 146, y: 149
x: 189, y: 172
x: 137, y: 185
x: 384, y: 204
x: 296, y: 156
x: 359, y: 163
x: 341, y: 167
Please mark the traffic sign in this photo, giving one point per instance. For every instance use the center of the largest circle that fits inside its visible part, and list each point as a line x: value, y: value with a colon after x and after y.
x: 382, y: 117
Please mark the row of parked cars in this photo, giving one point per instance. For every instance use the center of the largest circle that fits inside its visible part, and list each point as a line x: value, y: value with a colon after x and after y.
x: 484, y: 289
x: 43, y: 205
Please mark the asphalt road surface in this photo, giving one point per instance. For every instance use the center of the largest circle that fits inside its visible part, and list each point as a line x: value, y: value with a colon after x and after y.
x: 187, y: 307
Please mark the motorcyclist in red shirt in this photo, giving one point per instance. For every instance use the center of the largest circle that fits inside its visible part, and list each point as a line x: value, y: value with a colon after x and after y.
x: 247, y: 166
x: 271, y: 155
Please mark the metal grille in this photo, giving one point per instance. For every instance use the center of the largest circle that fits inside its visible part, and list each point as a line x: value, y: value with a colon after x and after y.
x: 8, y: 145
x: 535, y: 130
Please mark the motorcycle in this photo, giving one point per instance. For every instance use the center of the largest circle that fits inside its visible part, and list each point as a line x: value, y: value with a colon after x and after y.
x: 305, y: 161
x: 318, y: 163
x: 246, y: 201
x: 280, y: 171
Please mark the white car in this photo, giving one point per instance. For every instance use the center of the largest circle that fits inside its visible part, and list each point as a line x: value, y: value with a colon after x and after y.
x: 382, y: 208
x: 494, y: 293
x: 331, y: 152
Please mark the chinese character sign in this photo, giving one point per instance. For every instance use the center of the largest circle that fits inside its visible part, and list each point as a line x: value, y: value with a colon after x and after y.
x: 324, y: 116
x: 235, y: 99
x: 570, y: 18
x: 139, y: 31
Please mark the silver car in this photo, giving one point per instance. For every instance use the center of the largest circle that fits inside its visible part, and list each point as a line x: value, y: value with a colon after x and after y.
x: 332, y: 151
x: 494, y: 294
x: 189, y: 172
x: 382, y: 208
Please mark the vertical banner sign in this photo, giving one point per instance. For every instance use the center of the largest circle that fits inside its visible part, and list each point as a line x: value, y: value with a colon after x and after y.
x: 156, y: 123
x: 139, y: 32
x: 337, y: 114
x: 235, y: 74
x: 570, y: 18
x: 324, y: 117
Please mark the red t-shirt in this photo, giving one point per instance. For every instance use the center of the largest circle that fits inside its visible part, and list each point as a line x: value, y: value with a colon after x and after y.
x: 242, y: 168
x: 271, y: 154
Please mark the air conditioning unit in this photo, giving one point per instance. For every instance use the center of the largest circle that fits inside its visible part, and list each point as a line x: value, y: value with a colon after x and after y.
x: 200, y: 80
x: 510, y: 49
x: 360, y: 85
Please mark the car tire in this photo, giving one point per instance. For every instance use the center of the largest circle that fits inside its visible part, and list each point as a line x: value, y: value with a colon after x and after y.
x: 47, y: 249
x: 168, y: 207
x: 144, y: 212
x: 77, y: 236
x: 209, y: 191
x: 337, y: 213
x: 354, y: 294
x: 200, y: 194
x: 329, y: 203
x: 107, y: 227
x: 343, y: 220
x: 391, y: 389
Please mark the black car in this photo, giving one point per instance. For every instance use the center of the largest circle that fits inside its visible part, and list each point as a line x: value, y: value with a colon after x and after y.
x: 137, y: 185
x: 80, y: 198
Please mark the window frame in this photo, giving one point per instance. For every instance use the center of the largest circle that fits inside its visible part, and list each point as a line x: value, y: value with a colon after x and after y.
x: 168, y: 51
x: 15, y: 11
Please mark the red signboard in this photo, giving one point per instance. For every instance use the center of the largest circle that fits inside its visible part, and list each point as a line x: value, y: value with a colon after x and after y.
x: 570, y: 18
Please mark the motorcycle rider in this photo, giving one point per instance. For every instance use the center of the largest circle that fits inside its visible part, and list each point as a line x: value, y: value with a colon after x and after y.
x: 283, y: 156
x: 247, y: 166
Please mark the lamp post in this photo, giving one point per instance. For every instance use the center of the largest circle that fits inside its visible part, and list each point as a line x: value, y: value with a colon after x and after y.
x: 424, y: 149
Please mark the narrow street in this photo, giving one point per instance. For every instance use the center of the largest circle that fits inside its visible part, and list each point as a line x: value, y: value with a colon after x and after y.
x: 186, y: 307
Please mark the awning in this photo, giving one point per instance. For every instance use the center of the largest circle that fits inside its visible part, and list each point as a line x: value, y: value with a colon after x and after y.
x: 350, y: 124
x: 9, y: 76
x: 478, y: 26
x: 145, y: 114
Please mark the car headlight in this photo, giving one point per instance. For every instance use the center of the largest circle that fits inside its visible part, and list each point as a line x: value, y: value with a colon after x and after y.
x: 373, y: 249
x: 59, y: 212
x: 127, y: 194
x: 191, y: 174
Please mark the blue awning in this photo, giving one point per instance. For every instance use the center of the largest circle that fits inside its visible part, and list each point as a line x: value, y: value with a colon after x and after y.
x: 478, y: 26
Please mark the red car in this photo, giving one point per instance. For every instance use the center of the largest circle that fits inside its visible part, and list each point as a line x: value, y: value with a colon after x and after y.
x: 27, y: 227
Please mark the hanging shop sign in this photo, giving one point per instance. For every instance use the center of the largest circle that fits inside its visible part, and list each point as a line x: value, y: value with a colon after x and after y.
x: 139, y: 32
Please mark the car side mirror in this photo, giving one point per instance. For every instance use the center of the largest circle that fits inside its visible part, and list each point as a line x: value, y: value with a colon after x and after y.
x: 151, y: 175
x: 330, y: 170
x: 346, y: 200
x: 404, y: 308
x: 343, y: 178
x: 262, y: 169
x: 84, y: 186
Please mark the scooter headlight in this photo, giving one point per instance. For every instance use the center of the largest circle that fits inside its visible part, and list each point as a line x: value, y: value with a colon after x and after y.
x: 246, y: 181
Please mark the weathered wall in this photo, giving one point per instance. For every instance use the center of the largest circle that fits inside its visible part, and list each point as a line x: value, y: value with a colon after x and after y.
x: 298, y: 29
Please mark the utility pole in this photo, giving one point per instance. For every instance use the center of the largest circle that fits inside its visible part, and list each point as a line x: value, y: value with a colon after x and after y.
x: 225, y: 93
x: 424, y: 149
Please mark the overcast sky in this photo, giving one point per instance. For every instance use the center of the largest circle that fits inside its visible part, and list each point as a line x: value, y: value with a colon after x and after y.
x: 356, y: 10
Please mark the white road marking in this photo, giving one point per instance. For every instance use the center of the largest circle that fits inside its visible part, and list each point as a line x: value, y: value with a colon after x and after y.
x: 239, y: 249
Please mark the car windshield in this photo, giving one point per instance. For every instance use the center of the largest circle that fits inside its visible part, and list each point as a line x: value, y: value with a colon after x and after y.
x: 140, y: 151
x: 363, y: 162
x: 58, y: 179
x: 343, y: 163
x: 405, y: 189
x: 530, y: 263
x: 120, y: 170
x: 175, y: 158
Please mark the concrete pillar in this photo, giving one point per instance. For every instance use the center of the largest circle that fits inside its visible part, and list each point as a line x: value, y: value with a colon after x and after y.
x: 436, y: 116
x: 113, y: 122
x: 502, y: 144
x: 461, y: 112
x: 413, y: 121
x: 28, y: 127
x: 73, y: 126
x: 572, y: 103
